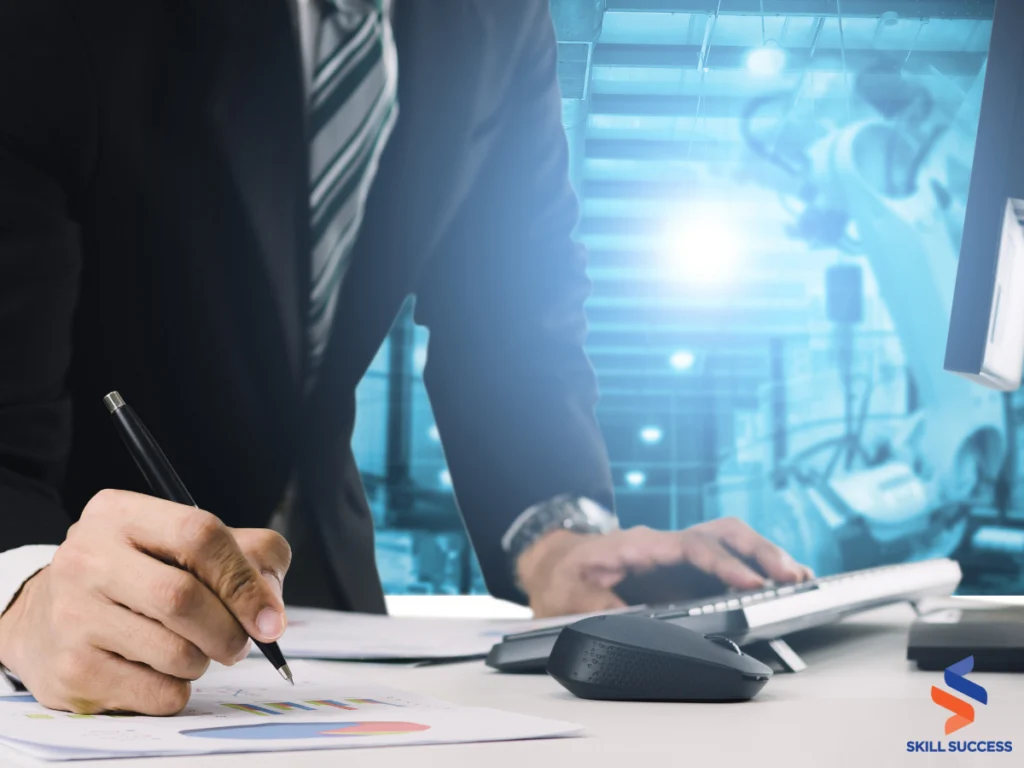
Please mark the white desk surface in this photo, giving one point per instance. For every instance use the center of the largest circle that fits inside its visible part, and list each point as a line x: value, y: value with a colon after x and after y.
x: 856, y: 705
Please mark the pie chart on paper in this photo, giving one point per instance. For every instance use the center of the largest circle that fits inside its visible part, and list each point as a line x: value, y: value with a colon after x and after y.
x: 334, y: 730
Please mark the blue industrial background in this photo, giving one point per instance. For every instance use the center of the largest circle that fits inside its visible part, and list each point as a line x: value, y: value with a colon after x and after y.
x: 772, y: 196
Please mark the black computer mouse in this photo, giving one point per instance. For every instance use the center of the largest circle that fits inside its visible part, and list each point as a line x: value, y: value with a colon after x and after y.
x: 636, y: 658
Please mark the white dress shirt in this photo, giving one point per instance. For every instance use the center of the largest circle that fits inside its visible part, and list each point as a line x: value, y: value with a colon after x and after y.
x: 307, y: 15
x: 16, y: 567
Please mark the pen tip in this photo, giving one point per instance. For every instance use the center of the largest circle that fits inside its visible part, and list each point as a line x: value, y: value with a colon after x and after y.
x: 286, y: 673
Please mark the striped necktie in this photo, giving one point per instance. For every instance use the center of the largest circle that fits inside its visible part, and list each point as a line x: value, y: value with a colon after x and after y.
x: 353, y: 106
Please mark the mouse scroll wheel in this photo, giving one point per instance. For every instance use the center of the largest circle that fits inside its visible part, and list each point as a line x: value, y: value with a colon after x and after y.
x: 725, y: 642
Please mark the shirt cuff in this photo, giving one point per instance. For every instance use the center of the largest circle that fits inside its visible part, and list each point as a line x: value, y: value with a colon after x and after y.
x: 16, y: 567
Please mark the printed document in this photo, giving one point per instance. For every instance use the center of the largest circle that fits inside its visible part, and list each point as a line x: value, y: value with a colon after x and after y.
x: 241, y: 709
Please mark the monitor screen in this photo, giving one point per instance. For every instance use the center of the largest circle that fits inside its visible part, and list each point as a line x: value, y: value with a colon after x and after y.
x: 986, y: 332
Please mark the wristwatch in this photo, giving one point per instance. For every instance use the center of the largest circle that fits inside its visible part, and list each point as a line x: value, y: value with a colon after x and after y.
x: 570, y: 513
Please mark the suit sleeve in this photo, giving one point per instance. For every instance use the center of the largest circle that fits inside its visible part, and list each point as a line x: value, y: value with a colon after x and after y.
x: 44, y: 135
x: 512, y: 388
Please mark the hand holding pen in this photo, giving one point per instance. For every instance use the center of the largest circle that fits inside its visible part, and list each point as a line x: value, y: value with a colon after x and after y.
x: 231, y: 579
x: 138, y: 600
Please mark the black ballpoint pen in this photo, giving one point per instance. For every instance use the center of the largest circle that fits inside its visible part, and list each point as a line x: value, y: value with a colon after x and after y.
x: 165, y: 483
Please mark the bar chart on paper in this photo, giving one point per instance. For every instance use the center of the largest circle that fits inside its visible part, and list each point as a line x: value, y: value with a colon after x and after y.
x: 289, y: 729
x: 227, y: 714
x: 281, y: 707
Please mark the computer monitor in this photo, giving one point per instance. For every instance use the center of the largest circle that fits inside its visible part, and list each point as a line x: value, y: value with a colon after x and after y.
x: 986, y: 331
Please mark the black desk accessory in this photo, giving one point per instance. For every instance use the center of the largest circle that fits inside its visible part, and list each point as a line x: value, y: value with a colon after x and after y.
x: 994, y: 636
x: 637, y: 658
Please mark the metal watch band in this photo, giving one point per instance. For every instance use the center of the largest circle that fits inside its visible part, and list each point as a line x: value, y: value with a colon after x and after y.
x: 577, y: 514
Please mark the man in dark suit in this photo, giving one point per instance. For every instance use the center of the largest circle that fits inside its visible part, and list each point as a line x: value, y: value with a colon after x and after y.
x: 217, y: 207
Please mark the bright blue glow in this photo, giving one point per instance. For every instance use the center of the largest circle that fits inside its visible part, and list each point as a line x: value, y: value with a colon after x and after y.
x: 682, y: 360
x: 702, y: 245
x: 767, y: 60
x: 651, y: 435
x: 702, y: 239
x: 444, y: 478
x: 635, y: 478
x: 434, y: 434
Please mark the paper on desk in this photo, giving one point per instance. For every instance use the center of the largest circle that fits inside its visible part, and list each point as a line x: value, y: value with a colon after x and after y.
x: 318, y: 634
x: 229, y: 712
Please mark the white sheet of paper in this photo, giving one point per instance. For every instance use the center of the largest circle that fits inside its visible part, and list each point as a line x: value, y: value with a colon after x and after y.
x: 242, y: 710
x: 318, y: 634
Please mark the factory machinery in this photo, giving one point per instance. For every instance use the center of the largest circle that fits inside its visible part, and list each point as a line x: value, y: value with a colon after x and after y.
x: 890, y: 189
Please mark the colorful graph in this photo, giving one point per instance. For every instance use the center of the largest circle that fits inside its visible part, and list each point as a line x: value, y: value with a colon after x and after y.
x: 331, y: 703
x: 297, y: 730
x: 282, y: 707
x: 288, y: 706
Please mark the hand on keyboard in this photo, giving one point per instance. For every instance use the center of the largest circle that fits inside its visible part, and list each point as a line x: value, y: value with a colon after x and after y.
x: 567, y: 573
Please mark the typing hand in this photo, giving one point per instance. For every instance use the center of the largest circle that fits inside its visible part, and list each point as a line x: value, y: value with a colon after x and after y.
x: 566, y: 573
x: 112, y: 625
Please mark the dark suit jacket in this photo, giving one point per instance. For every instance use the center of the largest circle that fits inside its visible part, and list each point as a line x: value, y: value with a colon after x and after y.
x: 153, y: 240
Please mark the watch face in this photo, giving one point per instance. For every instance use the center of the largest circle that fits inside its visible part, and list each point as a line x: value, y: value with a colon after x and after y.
x: 596, y: 515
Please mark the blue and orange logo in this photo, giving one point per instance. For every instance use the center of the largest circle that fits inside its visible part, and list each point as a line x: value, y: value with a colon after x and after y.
x: 963, y: 711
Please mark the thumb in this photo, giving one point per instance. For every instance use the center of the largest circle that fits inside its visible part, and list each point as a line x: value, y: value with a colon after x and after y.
x: 610, y: 558
x: 604, y: 576
x: 269, y: 554
x: 275, y: 582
